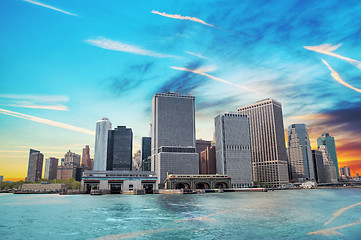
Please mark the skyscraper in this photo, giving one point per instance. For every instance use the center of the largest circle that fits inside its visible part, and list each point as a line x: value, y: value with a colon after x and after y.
x: 330, y: 168
x: 146, y: 152
x: 345, y: 172
x: 317, y: 159
x: 101, y: 144
x: 208, y: 161
x: 35, y: 166
x: 85, y: 158
x: 173, y: 135
x: 329, y: 141
x: 201, y: 145
x: 299, y: 153
x: 233, y: 150
x: 71, y: 159
x: 51, y: 168
x: 269, y: 157
x: 120, y: 147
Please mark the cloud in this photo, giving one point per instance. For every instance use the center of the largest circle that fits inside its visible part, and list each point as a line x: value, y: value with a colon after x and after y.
x: 122, y: 47
x: 328, y: 50
x: 196, y: 71
x: 46, y: 121
x: 131, y: 78
x: 177, y: 16
x: 337, y: 77
x: 43, y: 98
x: 48, y: 6
x: 34, y: 101
x: 196, y: 54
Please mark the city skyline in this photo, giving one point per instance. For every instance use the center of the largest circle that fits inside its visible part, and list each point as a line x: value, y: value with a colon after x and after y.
x: 80, y: 63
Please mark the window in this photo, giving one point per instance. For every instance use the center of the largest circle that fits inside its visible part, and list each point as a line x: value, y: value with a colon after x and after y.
x: 130, y: 186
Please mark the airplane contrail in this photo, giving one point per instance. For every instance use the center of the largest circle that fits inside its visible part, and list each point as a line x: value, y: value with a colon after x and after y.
x: 337, y: 77
x: 216, y: 78
x: 328, y: 48
x: 46, y: 121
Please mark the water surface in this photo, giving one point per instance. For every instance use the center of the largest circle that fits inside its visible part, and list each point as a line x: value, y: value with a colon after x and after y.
x: 287, y: 214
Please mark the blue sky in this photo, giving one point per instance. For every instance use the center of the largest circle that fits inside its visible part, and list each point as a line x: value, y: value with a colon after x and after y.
x: 73, y: 62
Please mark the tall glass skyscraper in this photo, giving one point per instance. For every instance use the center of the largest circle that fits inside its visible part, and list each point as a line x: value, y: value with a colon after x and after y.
x: 173, y: 135
x: 146, y: 152
x: 101, y: 143
x: 233, y: 148
x: 329, y: 141
x: 269, y: 156
x: 120, y: 147
x: 299, y: 153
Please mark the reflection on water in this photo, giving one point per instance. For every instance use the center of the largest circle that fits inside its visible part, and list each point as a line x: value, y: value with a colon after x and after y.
x: 279, y: 215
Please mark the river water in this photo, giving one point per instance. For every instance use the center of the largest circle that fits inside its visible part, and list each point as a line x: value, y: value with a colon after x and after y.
x: 287, y: 214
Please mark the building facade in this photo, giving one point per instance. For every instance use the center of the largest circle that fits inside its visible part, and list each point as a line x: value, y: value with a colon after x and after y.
x: 329, y: 142
x: 345, y: 172
x: 269, y: 156
x: 35, y: 166
x: 101, y: 144
x: 120, y: 149
x: 299, y: 154
x: 329, y: 167
x: 208, y: 161
x: 85, y: 158
x: 233, y: 148
x: 71, y: 159
x: 65, y: 172
x: 201, y: 145
x: 173, y: 135
x: 51, y: 168
x: 146, y: 153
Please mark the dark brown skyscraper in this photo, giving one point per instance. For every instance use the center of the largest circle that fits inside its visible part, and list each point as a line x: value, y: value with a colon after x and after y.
x: 201, y: 145
x: 35, y: 166
x: 85, y: 158
x: 208, y: 161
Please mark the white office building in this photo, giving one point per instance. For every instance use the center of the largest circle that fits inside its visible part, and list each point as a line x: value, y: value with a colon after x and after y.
x: 101, y: 144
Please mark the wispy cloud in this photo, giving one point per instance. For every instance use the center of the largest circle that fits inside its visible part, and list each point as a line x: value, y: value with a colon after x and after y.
x: 50, y: 7
x: 197, y: 71
x: 44, y: 98
x: 34, y: 101
x: 196, y: 54
x: 337, y: 77
x: 46, y: 121
x: 328, y: 50
x: 177, y: 16
x: 122, y: 47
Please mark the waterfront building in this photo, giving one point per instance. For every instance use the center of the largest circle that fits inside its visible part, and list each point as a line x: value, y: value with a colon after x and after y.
x: 101, y: 144
x: 1, y: 178
x: 146, y: 152
x: 208, y: 161
x: 329, y: 141
x: 120, y: 149
x: 329, y: 167
x: 65, y: 172
x: 85, y: 158
x: 269, y: 156
x: 345, y: 172
x: 201, y: 145
x: 233, y: 148
x: 118, y: 181
x: 317, y: 160
x: 299, y: 153
x: 71, y: 159
x: 35, y: 166
x: 51, y: 168
x: 188, y: 181
x: 173, y: 135
x: 137, y: 159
